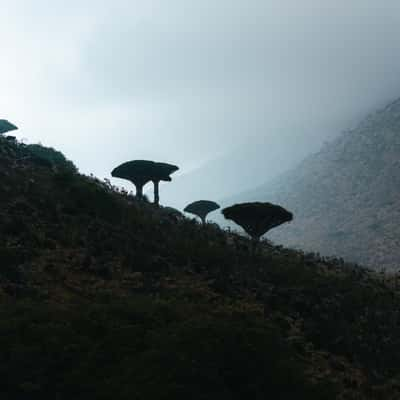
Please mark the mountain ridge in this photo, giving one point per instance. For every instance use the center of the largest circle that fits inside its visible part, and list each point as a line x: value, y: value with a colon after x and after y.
x: 345, y: 197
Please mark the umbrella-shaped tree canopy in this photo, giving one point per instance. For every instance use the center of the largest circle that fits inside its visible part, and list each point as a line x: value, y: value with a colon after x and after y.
x: 162, y: 171
x: 257, y: 218
x: 140, y: 172
x: 201, y: 208
x: 6, y: 126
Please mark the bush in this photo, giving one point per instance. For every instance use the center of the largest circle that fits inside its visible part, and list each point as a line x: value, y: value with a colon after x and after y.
x: 47, y: 156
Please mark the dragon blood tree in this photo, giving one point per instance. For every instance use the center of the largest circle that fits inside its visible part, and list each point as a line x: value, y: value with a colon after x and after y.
x: 140, y: 172
x: 257, y: 218
x: 161, y: 172
x: 6, y: 126
x: 201, y: 208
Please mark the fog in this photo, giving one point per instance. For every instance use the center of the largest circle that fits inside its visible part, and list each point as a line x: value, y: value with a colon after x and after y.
x: 234, y: 92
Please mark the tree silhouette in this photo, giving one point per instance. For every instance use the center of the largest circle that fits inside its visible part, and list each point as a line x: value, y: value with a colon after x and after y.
x: 6, y: 126
x: 257, y: 218
x: 161, y: 172
x: 140, y: 172
x: 201, y: 208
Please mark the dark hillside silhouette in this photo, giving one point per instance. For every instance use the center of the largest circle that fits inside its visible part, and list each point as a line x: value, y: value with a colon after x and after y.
x: 106, y: 296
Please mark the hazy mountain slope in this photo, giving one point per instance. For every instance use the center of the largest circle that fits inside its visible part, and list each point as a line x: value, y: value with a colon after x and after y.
x: 105, y: 297
x: 346, y: 198
x: 235, y: 170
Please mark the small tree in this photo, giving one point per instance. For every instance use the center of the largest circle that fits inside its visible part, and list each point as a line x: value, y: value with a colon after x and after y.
x: 257, y: 218
x: 6, y: 126
x: 140, y: 172
x: 201, y: 208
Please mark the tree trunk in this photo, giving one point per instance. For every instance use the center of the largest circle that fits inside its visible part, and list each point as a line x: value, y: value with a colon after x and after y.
x: 203, y: 219
x: 139, y: 191
x: 156, y: 192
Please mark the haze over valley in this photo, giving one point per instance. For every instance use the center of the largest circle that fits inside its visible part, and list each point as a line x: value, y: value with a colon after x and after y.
x: 346, y: 196
x: 239, y: 91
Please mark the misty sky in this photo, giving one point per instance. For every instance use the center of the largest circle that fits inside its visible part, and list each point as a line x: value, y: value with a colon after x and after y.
x: 187, y: 81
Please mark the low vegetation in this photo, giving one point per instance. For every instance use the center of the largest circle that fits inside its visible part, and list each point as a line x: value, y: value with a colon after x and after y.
x: 104, y: 296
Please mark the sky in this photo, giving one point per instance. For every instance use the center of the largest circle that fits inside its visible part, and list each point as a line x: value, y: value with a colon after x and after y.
x: 235, y: 90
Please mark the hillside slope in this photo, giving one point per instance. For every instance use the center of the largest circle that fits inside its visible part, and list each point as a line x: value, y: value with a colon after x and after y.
x: 238, y: 168
x: 104, y: 297
x: 346, y: 198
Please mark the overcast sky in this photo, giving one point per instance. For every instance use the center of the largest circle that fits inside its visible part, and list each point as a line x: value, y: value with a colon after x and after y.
x: 189, y: 81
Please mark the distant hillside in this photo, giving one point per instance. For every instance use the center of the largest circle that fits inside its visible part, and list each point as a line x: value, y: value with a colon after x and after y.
x: 105, y: 297
x: 238, y: 169
x: 346, y: 198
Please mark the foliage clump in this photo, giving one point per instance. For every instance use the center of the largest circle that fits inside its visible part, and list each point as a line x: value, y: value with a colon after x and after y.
x: 50, y: 157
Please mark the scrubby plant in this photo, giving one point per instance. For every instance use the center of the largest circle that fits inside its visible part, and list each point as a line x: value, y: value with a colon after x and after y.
x: 201, y: 208
x: 173, y: 212
x: 47, y: 156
